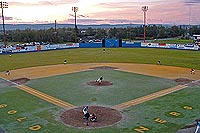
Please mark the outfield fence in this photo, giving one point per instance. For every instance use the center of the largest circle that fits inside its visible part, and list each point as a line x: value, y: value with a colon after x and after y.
x: 108, y: 43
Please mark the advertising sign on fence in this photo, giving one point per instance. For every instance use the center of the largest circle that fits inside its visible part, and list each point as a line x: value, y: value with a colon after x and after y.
x: 36, y: 48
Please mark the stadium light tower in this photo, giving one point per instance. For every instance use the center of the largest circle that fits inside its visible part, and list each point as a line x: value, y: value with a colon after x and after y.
x: 145, y: 9
x: 4, y: 5
x: 75, y: 10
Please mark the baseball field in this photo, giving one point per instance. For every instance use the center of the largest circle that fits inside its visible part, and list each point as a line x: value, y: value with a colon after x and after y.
x: 42, y: 94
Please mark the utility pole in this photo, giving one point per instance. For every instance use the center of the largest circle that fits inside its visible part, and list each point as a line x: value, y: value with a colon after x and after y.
x: 145, y: 9
x: 75, y: 10
x: 4, y: 5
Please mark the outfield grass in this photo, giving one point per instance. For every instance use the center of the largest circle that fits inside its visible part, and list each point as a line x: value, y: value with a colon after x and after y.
x: 181, y: 58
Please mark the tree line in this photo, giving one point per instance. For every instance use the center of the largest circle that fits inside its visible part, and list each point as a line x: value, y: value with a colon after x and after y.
x: 63, y: 35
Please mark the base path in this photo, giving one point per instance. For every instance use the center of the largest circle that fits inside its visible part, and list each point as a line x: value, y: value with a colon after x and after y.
x: 45, y: 97
x: 149, y: 97
x: 41, y: 95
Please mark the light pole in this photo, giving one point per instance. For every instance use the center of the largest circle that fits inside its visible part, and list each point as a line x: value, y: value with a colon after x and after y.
x: 75, y: 10
x: 145, y: 9
x: 55, y: 32
x: 4, y: 5
x: 189, y: 24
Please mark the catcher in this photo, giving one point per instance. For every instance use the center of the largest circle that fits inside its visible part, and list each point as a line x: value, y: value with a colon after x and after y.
x: 93, y: 118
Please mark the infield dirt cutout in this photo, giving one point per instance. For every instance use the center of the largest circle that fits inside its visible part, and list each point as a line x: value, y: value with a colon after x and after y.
x: 105, y: 117
x: 168, y: 72
x: 103, y: 83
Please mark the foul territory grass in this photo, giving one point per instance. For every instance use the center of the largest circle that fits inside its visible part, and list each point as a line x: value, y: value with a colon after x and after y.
x: 145, y: 113
x: 182, y: 58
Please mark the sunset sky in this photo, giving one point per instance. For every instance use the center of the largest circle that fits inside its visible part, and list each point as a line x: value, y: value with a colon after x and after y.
x: 103, y: 11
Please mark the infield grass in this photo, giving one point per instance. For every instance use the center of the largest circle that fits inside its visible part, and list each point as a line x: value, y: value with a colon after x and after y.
x: 74, y: 89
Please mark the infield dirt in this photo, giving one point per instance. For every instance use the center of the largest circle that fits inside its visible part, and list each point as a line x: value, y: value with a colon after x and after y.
x: 168, y: 72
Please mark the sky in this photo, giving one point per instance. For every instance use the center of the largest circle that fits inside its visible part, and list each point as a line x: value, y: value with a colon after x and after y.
x: 173, y: 12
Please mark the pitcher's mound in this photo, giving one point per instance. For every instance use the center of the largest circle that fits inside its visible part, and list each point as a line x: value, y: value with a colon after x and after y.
x: 103, y: 83
x: 105, y: 117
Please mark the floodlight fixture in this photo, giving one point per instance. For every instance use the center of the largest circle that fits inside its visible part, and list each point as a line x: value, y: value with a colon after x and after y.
x: 2, y: 6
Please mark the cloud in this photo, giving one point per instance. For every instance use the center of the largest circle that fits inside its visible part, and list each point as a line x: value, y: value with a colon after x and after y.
x: 130, y: 12
x: 103, y: 21
x: 79, y: 16
x: 120, y: 5
x: 83, y: 16
x: 7, y: 18
x: 40, y: 22
x: 71, y: 15
x: 192, y: 1
x: 118, y: 11
x: 58, y: 2
x: 44, y: 3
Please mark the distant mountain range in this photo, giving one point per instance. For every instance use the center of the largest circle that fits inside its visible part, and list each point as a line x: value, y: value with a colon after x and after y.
x: 48, y: 26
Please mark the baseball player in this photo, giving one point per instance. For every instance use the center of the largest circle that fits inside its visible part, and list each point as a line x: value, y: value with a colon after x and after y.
x: 93, y: 118
x: 192, y: 71
x: 85, y: 110
x: 159, y: 63
x: 65, y: 61
x: 86, y: 114
x: 198, y: 127
x: 99, y: 80
x: 7, y: 72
